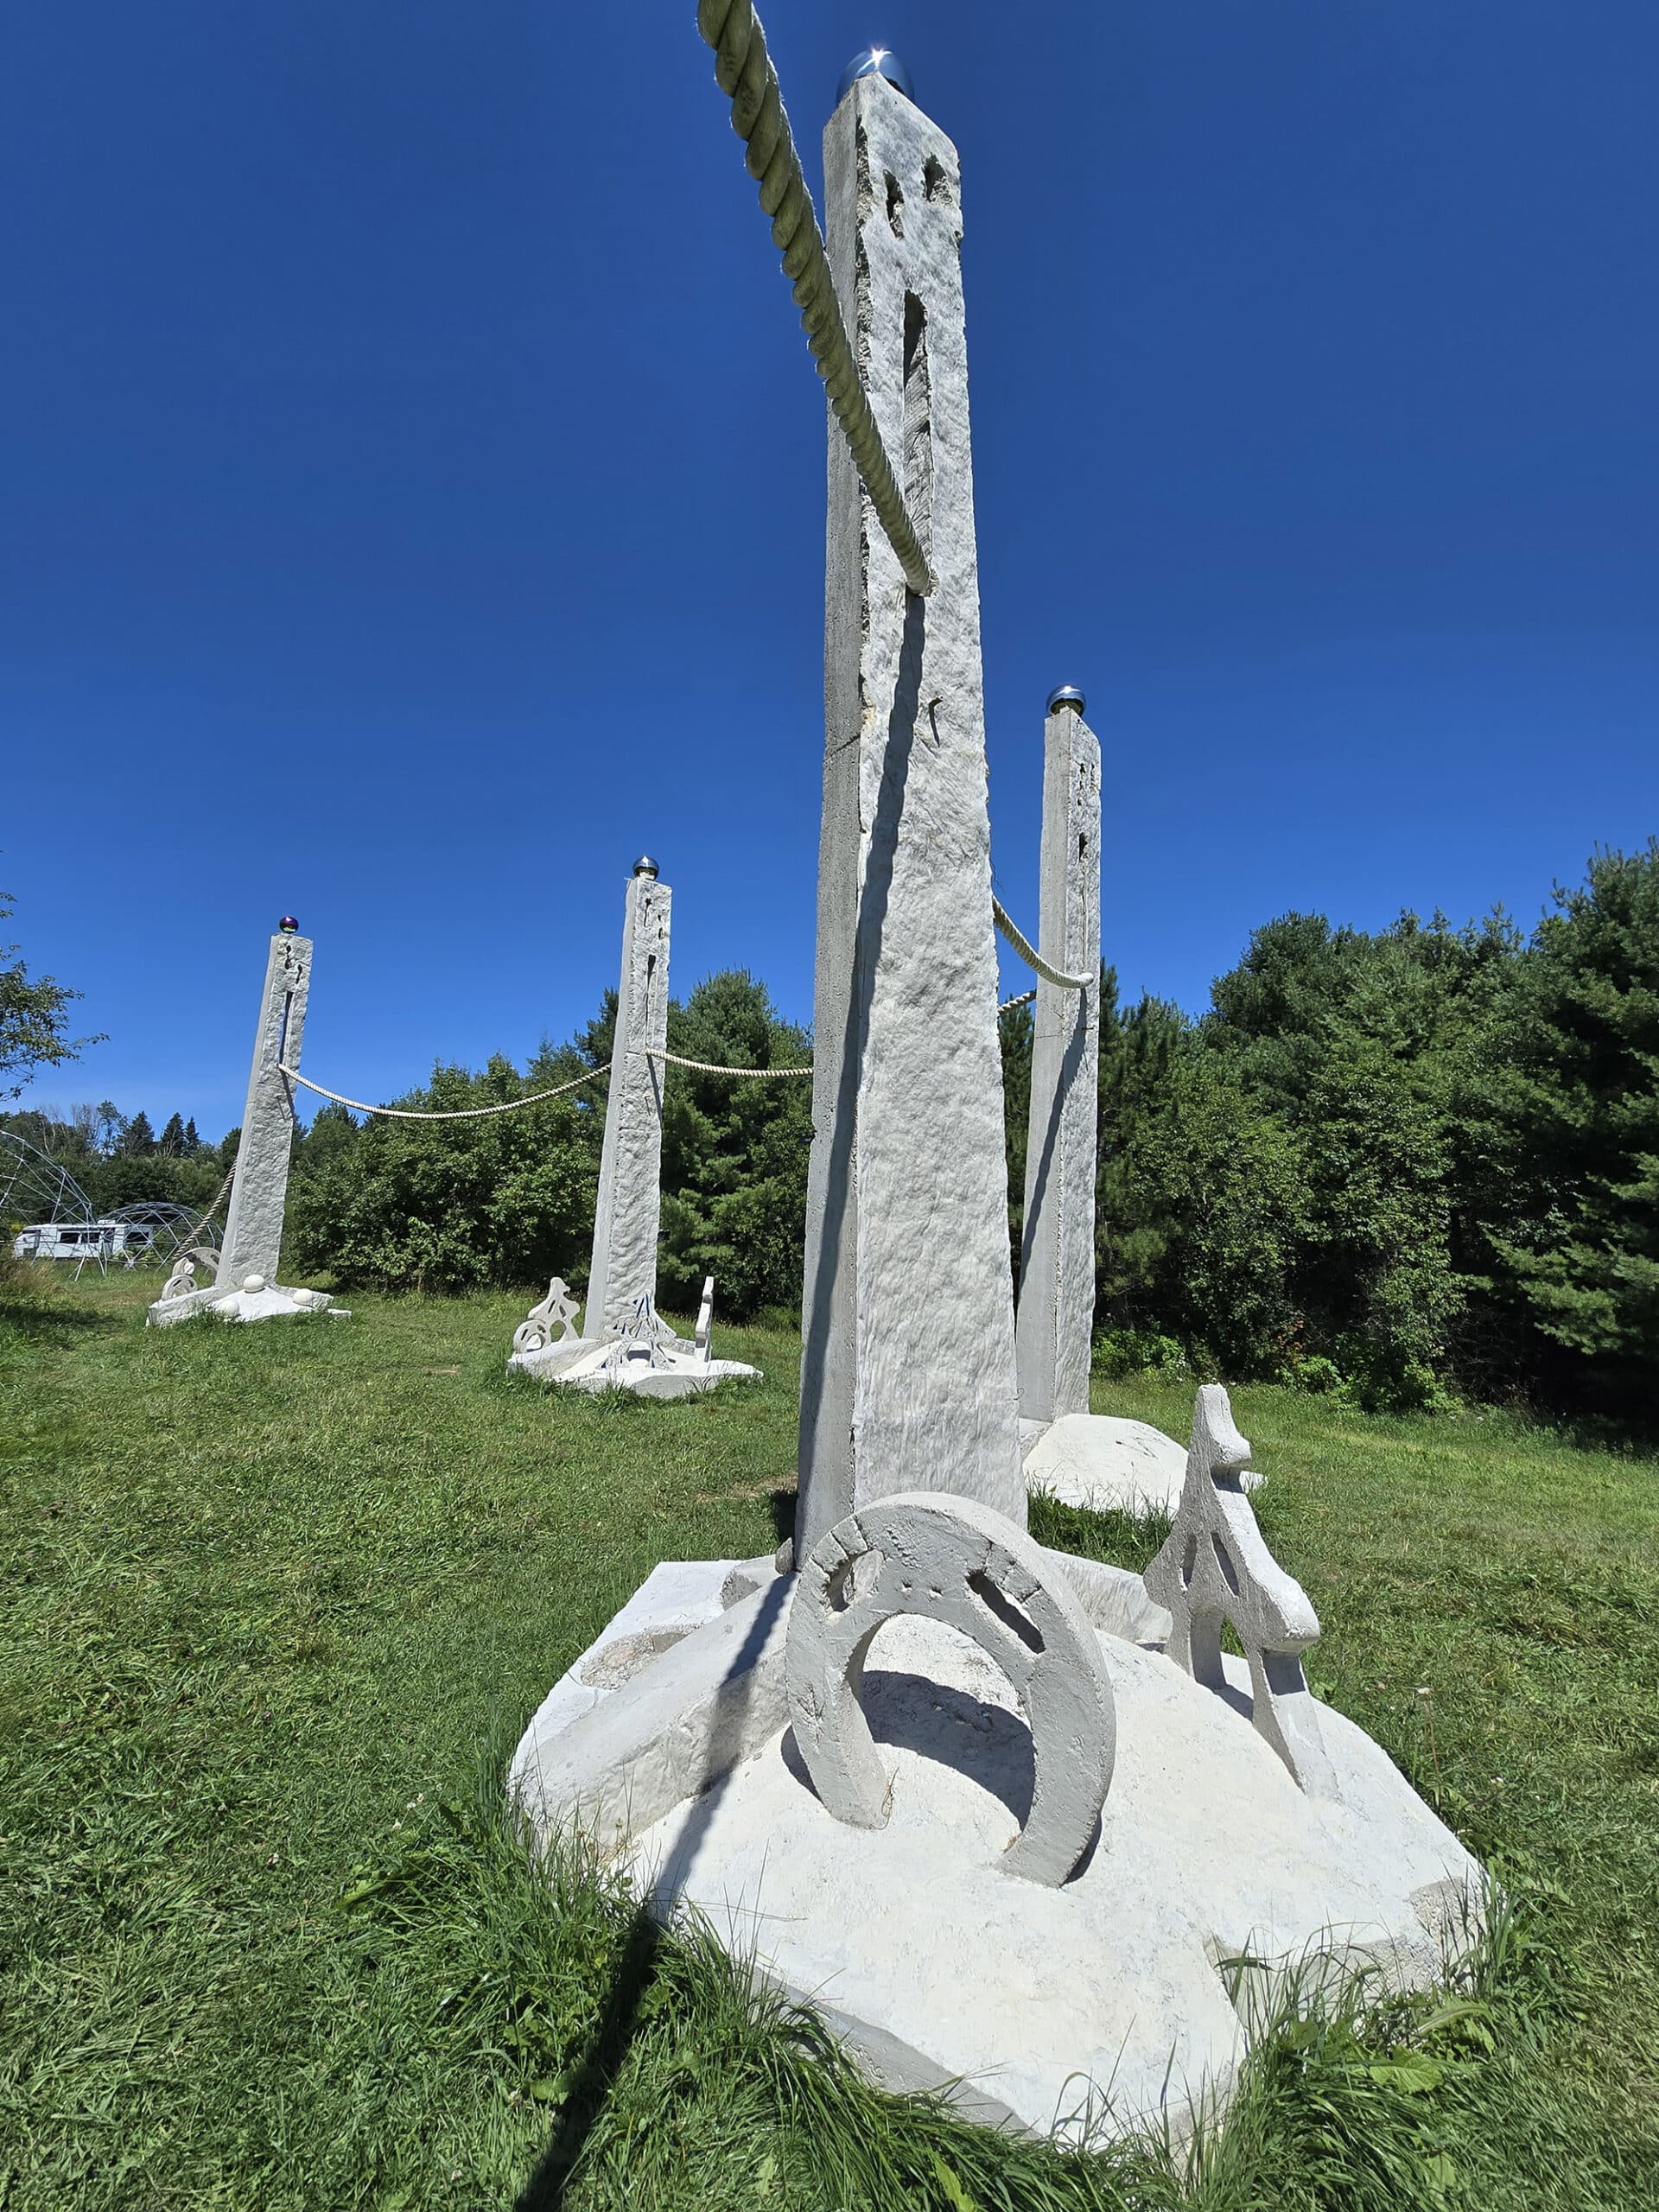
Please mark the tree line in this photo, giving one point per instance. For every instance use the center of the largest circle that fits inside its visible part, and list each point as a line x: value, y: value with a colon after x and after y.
x: 1409, y: 1165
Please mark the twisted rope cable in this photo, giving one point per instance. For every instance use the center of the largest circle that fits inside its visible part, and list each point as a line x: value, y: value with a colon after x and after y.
x: 744, y: 73
x: 1021, y: 998
x: 190, y: 1236
x: 1029, y: 954
x: 708, y: 1067
x: 454, y: 1113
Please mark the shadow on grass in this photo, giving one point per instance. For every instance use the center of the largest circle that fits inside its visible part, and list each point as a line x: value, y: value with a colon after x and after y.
x: 38, y: 1322
x: 548, y: 2185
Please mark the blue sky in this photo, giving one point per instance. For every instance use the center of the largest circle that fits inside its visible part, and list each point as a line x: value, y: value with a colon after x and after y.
x: 413, y: 488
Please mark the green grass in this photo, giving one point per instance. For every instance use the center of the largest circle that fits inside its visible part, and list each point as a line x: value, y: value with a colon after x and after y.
x: 277, y: 1601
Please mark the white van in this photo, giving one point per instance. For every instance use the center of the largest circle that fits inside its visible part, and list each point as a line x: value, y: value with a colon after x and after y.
x: 83, y: 1239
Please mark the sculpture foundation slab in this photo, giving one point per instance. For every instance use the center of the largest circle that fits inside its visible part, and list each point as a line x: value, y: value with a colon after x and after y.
x: 270, y: 1302
x: 1106, y: 1464
x: 934, y: 1961
x: 676, y: 1370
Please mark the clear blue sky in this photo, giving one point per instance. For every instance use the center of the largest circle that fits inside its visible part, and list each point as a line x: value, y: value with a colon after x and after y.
x: 414, y: 487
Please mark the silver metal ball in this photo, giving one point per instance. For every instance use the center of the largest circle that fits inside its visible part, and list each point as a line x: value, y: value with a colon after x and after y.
x: 875, y: 61
x: 645, y: 866
x: 1065, y: 695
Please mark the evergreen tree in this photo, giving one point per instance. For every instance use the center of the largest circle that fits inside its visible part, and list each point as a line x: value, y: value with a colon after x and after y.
x: 193, y: 1143
x: 137, y: 1138
x: 173, y: 1143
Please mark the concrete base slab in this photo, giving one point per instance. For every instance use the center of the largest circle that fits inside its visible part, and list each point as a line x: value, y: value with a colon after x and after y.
x: 665, y: 1743
x: 273, y: 1301
x: 667, y: 1368
x: 1109, y: 1465
x: 674, y: 1598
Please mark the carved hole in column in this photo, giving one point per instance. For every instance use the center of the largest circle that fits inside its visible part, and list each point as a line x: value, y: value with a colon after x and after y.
x: 895, y: 207
x: 1224, y: 1560
x: 1001, y: 1607
x: 851, y: 1577
x: 936, y: 182
x: 1190, y: 1562
x: 917, y: 456
x: 282, y: 1036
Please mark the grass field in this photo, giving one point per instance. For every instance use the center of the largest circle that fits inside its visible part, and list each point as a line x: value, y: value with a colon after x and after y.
x: 278, y: 1600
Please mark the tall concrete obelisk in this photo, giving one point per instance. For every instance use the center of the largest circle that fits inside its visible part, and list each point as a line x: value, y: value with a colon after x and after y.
x: 629, y: 1207
x: 1057, y: 1253
x: 908, y: 1365
x: 253, y: 1226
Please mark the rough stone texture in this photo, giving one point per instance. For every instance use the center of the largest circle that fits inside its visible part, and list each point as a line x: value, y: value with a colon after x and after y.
x: 1214, y: 1568
x: 1054, y: 1332
x: 907, y: 1370
x: 692, y: 1713
x: 912, y: 1940
x: 253, y: 1227
x: 1109, y: 1465
x: 674, y: 1598
x: 955, y: 1561
x: 629, y: 1204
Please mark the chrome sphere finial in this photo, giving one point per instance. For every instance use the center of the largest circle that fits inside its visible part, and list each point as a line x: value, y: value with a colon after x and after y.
x: 875, y: 61
x: 644, y: 865
x: 1067, y: 694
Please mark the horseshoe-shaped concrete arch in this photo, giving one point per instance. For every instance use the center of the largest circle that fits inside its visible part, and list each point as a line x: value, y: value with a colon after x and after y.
x: 953, y: 1559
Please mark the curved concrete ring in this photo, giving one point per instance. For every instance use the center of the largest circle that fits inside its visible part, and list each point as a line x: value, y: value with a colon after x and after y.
x: 950, y: 1559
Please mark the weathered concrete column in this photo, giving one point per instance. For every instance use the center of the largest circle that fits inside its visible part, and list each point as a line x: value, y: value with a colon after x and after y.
x: 253, y: 1227
x: 908, y: 1370
x: 629, y: 1208
x: 1055, y: 1328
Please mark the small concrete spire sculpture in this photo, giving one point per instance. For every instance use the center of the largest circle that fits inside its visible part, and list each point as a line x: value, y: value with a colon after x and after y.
x: 1214, y: 1566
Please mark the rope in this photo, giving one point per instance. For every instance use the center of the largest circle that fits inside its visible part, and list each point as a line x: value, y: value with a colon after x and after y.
x: 1029, y: 954
x: 455, y: 1114
x: 1007, y: 1006
x: 708, y: 1067
x: 744, y: 73
x: 190, y: 1236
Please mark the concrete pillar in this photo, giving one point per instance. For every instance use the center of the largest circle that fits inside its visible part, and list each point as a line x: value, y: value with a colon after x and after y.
x: 908, y: 1370
x: 629, y: 1208
x: 253, y: 1227
x: 1054, y: 1334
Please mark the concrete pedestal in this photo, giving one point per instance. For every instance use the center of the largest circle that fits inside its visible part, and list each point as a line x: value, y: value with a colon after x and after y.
x: 1066, y: 2011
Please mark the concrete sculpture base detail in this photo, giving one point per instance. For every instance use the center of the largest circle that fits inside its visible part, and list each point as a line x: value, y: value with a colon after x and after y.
x: 256, y: 1301
x: 671, y: 1370
x: 1061, y: 2011
x: 646, y: 1357
x: 1109, y: 1465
